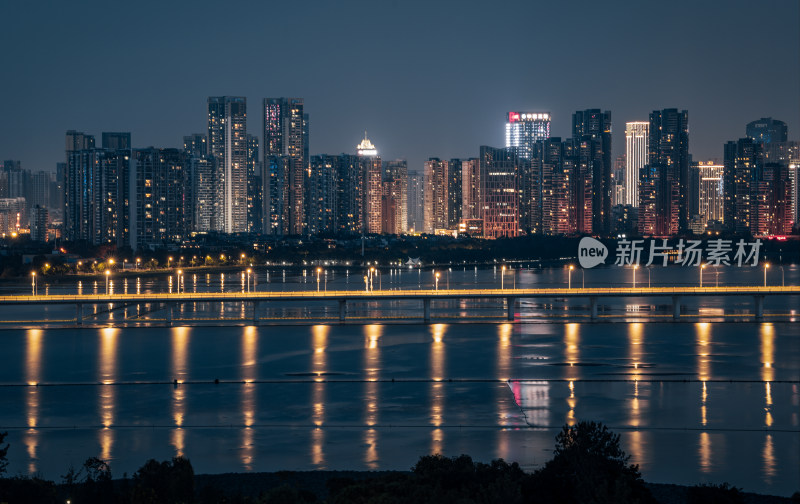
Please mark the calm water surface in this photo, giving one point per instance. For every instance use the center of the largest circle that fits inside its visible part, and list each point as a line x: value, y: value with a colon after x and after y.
x: 693, y: 401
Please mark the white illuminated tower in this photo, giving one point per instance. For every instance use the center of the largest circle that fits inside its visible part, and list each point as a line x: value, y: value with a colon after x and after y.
x: 636, y: 137
x: 523, y: 129
x: 372, y: 171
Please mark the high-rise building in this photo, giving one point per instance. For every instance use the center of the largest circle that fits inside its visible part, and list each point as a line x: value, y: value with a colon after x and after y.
x: 254, y: 186
x: 227, y: 143
x: 744, y: 159
x: 373, y: 188
x: 710, y: 191
x: 395, y: 197
x: 160, y: 203
x: 636, y: 156
x: 350, y: 186
x: 435, y: 197
x: 757, y: 194
x: 96, y: 199
x: 416, y: 211
x: 285, y: 135
x: 499, y: 174
x: 39, y: 221
x: 618, y: 181
x: 668, y: 174
x: 592, y: 128
x: 196, y: 145
x: 767, y: 130
x: 454, y: 188
x: 471, y: 189
x: 565, y: 187
x: 322, y: 192
x: 523, y: 129
x: 201, y: 171
x: 12, y: 214
x: 116, y: 140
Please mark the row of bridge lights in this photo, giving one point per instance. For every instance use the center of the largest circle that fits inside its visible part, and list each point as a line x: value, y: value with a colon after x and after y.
x: 372, y: 272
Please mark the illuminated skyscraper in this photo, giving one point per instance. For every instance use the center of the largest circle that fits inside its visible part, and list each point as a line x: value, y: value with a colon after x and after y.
x: 636, y: 137
x: 285, y: 135
x: 395, y: 197
x: 499, y: 190
x: 592, y: 128
x: 711, y: 200
x: 435, y: 196
x: 227, y: 143
x: 523, y: 129
x: 373, y: 189
x: 416, y: 211
x: 471, y: 189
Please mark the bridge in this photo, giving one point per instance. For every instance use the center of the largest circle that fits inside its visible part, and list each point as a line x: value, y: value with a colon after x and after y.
x: 509, y: 296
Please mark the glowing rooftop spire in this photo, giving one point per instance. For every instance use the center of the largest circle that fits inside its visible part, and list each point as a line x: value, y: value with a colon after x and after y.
x: 365, y: 148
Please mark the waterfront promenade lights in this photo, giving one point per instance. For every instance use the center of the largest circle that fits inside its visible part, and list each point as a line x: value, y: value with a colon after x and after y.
x: 366, y: 283
x: 569, y: 277
x: 248, y: 279
x: 502, y: 277
x: 437, y: 280
x: 108, y: 272
x: 111, y: 263
x: 783, y: 279
x: 371, y: 273
x: 319, y: 270
x: 169, y: 261
x: 702, y: 267
x: 766, y: 265
x: 635, y: 267
x: 241, y: 258
x: 180, y: 280
x: 138, y: 262
x: 33, y: 283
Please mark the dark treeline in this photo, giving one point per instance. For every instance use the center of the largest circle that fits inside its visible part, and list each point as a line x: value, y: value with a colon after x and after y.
x: 588, y: 466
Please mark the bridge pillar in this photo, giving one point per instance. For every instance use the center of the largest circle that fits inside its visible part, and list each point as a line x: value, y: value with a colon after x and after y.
x: 169, y: 314
x: 676, y: 307
x: 426, y: 309
x: 256, y: 306
x: 759, y: 300
x: 510, y: 308
x: 78, y: 314
x: 342, y: 310
x: 593, y: 308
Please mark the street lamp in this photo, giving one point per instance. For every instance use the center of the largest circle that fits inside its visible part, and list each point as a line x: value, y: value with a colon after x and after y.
x: 783, y: 279
x: 138, y: 262
x: 319, y: 270
x: 766, y: 265
x: 366, y: 283
x: 169, y: 260
x: 108, y: 272
x: 634, y: 275
x: 569, y: 277
x: 437, y: 280
x: 502, y: 277
x: 371, y: 273
x: 33, y: 283
x: 242, y: 259
x: 702, y: 267
x: 248, y: 279
x: 180, y: 280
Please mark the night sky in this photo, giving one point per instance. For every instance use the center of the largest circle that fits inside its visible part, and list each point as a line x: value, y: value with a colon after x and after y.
x: 426, y: 79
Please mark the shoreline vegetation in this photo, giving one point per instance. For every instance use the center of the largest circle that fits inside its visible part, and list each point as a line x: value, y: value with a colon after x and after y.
x: 588, y: 465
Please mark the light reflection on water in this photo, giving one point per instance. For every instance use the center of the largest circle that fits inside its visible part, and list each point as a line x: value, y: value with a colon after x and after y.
x: 249, y: 368
x: 624, y: 375
x: 180, y: 351
x: 33, y: 373
x: 107, y: 369
x: 437, y: 366
x: 371, y: 367
x: 319, y: 344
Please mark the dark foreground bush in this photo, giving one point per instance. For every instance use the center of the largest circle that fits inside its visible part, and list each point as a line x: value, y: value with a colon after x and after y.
x: 715, y: 494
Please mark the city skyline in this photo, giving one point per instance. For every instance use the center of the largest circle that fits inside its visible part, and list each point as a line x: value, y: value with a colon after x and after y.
x: 383, y: 96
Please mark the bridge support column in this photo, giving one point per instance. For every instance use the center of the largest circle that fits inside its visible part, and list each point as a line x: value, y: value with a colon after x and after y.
x: 759, y: 300
x: 342, y: 310
x: 78, y: 314
x: 510, y: 308
x: 676, y: 307
x: 256, y: 306
x: 169, y: 314
x: 426, y: 310
x: 593, y: 308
